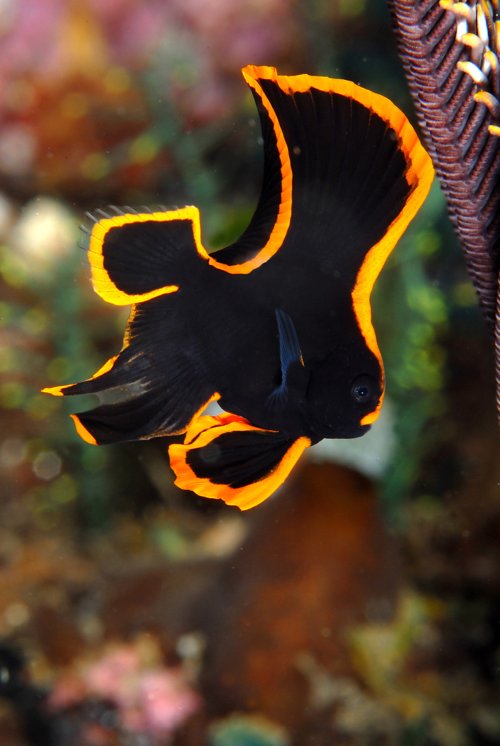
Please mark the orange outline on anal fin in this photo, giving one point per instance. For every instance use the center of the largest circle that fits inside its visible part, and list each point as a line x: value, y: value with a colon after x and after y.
x: 82, y: 431
x: 207, y: 429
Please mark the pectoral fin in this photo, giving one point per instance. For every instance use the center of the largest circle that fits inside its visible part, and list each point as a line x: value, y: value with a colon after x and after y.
x: 229, y: 459
x: 290, y: 359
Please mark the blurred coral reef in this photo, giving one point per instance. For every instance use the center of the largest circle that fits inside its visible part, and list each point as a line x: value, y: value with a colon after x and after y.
x: 361, y: 604
x: 108, y: 71
x: 148, y: 697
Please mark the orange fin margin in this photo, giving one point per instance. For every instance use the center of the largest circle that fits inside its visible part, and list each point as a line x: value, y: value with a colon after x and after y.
x: 102, y: 283
x: 204, y: 433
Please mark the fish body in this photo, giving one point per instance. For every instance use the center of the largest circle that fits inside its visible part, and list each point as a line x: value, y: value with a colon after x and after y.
x: 277, y: 326
x: 232, y: 322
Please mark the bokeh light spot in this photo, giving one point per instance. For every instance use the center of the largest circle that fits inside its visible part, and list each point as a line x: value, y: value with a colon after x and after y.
x: 75, y: 105
x: 40, y: 406
x: 47, y: 465
x: 11, y: 271
x: 426, y: 242
x: 464, y: 294
x: 13, y: 451
x: 64, y: 489
x: 117, y: 80
x: 351, y: 8
x: 35, y: 321
x: 7, y: 360
x: 58, y: 369
x: 16, y: 614
x: 18, y: 147
x: 95, y: 166
x: 5, y: 313
x: 19, y: 93
x: 144, y: 149
x: 429, y: 302
x: 12, y: 394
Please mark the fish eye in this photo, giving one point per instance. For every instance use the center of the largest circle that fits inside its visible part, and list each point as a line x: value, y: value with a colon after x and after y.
x: 363, y: 389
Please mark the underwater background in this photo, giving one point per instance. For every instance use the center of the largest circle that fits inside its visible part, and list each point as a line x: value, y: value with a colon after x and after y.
x: 361, y: 604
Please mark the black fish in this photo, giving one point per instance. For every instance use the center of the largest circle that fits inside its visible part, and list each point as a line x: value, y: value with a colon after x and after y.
x: 276, y: 327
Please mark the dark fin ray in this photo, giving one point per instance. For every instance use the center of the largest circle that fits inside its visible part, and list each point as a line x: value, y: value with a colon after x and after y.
x: 267, y: 228
x: 229, y: 459
x: 159, y: 379
x: 122, y: 370
x: 135, y: 257
x: 158, y: 410
x: 149, y: 415
x: 360, y: 175
x: 357, y: 166
x: 131, y: 419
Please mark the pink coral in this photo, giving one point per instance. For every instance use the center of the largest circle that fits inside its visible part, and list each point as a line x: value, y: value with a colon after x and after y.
x: 163, y: 701
x: 72, y: 89
x: 113, y: 677
x: 150, y: 698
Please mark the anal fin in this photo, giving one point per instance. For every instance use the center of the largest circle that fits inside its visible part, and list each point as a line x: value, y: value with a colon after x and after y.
x: 227, y: 458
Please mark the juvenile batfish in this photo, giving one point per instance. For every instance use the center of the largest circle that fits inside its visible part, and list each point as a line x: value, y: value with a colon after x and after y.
x: 277, y: 326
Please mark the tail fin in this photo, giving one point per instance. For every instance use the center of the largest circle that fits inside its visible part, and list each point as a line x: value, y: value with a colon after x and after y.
x: 149, y: 415
x: 135, y: 257
x: 158, y: 381
x: 226, y: 457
